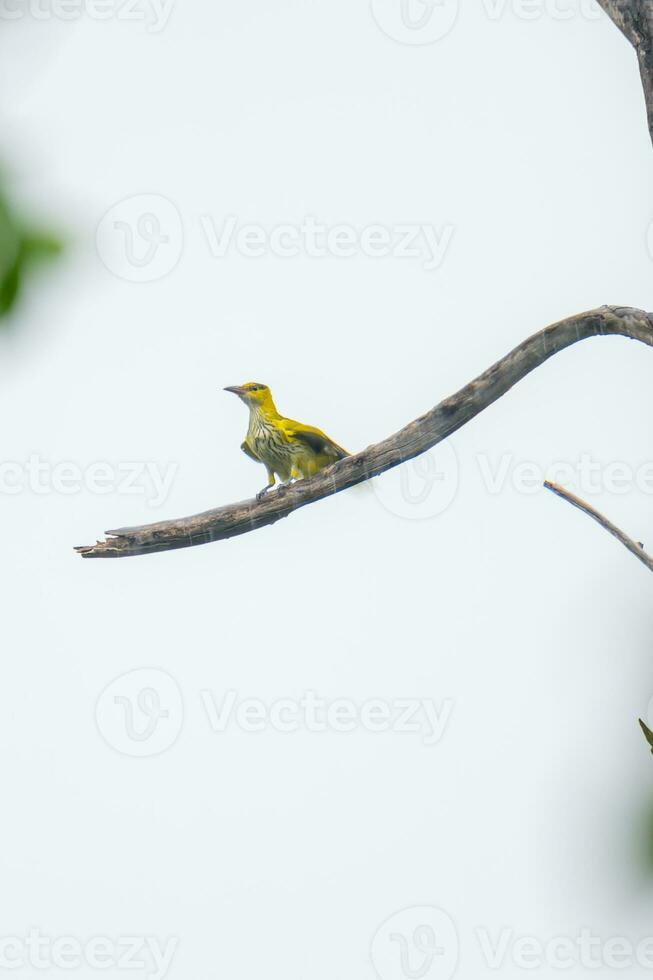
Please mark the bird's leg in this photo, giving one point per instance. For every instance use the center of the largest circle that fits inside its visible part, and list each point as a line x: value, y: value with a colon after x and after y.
x: 268, y: 486
x: 294, y: 476
x: 288, y: 477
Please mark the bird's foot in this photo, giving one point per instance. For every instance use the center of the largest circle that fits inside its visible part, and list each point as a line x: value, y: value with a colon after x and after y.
x: 275, y: 486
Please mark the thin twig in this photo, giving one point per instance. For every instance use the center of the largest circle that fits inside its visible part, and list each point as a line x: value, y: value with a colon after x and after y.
x: 416, y: 438
x: 635, y: 547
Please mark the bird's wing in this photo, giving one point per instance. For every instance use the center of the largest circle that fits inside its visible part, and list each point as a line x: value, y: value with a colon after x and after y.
x: 247, y: 449
x: 316, y: 440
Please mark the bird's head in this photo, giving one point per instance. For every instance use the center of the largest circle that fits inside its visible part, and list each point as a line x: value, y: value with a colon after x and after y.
x: 254, y: 395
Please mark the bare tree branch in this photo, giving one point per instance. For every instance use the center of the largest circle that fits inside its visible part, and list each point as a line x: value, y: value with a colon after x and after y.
x: 416, y: 438
x: 648, y: 734
x: 634, y: 18
x: 634, y: 547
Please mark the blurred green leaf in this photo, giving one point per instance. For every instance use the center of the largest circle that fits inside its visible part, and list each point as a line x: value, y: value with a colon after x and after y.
x: 21, y: 249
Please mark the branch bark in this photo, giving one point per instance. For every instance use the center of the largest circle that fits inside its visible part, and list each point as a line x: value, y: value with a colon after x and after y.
x: 416, y: 438
x: 633, y: 546
x: 634, y: 18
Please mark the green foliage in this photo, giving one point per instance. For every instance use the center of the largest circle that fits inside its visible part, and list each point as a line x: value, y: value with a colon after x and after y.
x: 21, y: 250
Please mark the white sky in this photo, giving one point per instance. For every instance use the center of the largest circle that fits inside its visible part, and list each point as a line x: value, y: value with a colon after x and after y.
x: 521, y: 144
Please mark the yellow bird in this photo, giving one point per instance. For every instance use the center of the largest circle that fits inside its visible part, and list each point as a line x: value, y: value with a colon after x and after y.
x: 286, y: 448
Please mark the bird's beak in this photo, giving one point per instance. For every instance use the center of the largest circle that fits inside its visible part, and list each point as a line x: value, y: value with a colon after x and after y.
x: 236, y: 390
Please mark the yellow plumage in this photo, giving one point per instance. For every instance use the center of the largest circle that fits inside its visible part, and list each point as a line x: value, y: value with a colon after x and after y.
x: 288, y: 449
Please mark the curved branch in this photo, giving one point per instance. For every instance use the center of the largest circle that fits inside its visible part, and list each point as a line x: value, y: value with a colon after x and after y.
x: 634, y: 547
x: 416, y: 438
x: 634, y: 18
